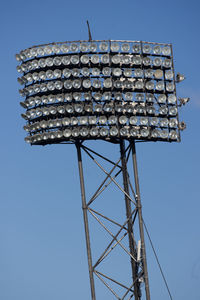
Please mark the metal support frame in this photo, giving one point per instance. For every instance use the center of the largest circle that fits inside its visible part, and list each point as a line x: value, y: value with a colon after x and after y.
x: 126, y: 230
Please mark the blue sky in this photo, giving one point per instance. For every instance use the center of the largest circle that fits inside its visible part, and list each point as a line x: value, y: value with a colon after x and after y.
x: 42, y: 252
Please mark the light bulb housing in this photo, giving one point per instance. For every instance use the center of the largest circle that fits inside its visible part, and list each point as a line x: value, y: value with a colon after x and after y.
x: 180, y: 77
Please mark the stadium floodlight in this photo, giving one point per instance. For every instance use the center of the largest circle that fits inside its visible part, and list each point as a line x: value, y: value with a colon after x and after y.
x: 69, y: 70
x: 117, y: 91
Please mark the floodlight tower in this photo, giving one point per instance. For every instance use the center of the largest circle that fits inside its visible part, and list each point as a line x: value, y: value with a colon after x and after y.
x: 120, y: 92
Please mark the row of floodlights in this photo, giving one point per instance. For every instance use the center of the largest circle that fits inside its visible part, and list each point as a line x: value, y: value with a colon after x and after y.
x: 79, y: 108
x: 107, y: 96
x: 94, y: 47
x: 103, y: 120
x: 103, y: 132
x: 105, y: 59
x: 96, y: 72
x: 108, y: 83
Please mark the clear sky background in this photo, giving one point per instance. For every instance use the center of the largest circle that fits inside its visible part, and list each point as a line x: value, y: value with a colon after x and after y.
x: 42, y: 243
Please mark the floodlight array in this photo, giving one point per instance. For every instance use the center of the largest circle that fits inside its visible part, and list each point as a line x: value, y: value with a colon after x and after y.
x: 107, y: 90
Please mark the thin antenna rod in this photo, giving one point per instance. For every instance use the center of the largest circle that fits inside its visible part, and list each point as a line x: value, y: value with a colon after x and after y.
x: 89, y: 32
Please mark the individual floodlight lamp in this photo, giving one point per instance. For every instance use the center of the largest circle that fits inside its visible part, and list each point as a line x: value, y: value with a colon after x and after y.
x: 183, y: 101
x: 180, y: 77
x: 111, y: 90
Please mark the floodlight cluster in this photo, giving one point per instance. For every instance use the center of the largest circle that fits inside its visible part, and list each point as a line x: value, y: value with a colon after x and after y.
x: 107, y: 90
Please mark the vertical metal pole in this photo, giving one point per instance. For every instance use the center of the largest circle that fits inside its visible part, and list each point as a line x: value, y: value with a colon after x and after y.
x: 89, y: 32
x: 85, y: 216
x: 139, y: 207
x: 134, y: 265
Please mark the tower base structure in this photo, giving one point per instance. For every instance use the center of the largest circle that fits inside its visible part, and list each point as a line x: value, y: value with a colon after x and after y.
x: 124, y: 239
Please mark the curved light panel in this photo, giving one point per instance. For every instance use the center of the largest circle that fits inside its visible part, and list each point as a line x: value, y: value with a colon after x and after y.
x: 108, y: 90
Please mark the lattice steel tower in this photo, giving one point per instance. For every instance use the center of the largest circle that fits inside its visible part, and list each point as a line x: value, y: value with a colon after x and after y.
x: 120, y: 92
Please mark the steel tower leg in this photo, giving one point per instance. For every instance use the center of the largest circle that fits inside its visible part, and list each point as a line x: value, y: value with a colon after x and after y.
x: 139, y: 207
x: 133, y: 251
x: 85, y: 216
